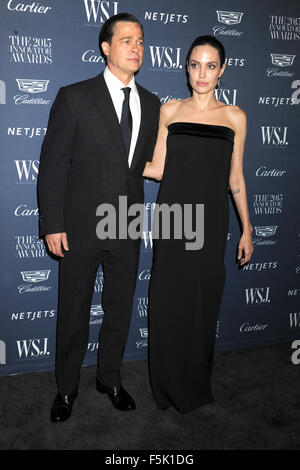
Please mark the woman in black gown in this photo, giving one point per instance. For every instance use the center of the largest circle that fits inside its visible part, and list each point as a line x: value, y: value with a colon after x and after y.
x: 198, y: 155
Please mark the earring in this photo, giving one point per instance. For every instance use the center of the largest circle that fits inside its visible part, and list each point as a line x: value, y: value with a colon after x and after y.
x: 219, y: 81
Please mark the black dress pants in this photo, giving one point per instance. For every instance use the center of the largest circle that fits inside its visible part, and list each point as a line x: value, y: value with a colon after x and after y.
x: 77, y: 275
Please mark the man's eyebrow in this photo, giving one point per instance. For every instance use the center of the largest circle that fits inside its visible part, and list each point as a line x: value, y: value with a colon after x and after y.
x: 130, y: 37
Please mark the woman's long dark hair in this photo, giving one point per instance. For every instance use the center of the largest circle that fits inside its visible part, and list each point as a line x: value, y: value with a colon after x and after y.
x: 212, y: 41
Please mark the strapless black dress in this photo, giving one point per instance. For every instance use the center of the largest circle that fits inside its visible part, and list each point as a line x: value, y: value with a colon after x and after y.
x: 186, y: 286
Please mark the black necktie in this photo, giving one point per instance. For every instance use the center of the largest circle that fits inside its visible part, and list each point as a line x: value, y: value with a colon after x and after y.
x: 126, y: 120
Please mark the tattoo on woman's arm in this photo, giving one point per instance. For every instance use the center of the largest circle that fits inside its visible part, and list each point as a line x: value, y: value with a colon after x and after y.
x: 235, y: 191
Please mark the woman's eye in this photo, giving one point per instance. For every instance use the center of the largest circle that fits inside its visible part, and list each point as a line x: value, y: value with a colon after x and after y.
x: 194, y: 66
x: 212, y: 66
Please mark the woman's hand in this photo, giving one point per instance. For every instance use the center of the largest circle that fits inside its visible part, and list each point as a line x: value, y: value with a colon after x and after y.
x: 245, y: 247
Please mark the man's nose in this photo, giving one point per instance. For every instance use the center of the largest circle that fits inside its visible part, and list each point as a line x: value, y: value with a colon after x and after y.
x: 135, y: 47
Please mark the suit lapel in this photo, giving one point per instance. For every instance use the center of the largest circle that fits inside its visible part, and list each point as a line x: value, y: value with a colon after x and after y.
x: 142, y: 130
x: 106, y: 107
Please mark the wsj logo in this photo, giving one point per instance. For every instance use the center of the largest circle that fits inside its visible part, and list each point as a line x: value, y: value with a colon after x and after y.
x: 165, y: 58
x: 98, y: 11
x: 27, y: 171
x: 274, y: 135
x: 148, y: 241
x: 29, y: 348
x: 2, y: 352
x: 257, y: 295
x: 2, y: 92
x: 226, y: 95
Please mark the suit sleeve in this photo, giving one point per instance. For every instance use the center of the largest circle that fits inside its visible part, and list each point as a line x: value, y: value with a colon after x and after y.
x: 54, y: 166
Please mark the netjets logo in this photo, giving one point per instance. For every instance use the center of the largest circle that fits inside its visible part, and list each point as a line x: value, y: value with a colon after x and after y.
x: 266, y: 230
x: 98, y: 11
x: 281, y: 60
x: 143, y: 343
x: 274, y: 135
x: 2, y: 92
x: 229, y: 17
x: 33, y: 348
x: 257, y: 295
x: 164, y: 58
x: 36, y: 276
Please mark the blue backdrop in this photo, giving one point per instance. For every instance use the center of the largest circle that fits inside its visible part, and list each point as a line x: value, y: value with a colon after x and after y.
x: 49, y: 44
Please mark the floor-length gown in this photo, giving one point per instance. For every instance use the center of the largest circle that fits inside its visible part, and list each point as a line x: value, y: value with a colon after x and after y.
x: 186, y: 286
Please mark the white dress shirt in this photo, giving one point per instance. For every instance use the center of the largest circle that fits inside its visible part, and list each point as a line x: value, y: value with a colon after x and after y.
x: 115, y: 86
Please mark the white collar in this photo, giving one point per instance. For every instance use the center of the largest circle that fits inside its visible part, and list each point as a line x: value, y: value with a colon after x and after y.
x: 114, y: 84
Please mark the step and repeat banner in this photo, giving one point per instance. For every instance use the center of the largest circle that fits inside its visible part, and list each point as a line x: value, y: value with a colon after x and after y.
x: 48, y: 44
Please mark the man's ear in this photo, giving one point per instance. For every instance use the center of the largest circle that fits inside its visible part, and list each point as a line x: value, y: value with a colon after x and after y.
x: 105, y: 47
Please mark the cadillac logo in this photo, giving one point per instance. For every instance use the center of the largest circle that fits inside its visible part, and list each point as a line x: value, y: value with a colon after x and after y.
x: 29, y: 85
x: 282, y: 60
x: 266, y: 231
x: 96, y: 310
x: 35, y: 276
x: 229, y: 17
x: 144, y: 332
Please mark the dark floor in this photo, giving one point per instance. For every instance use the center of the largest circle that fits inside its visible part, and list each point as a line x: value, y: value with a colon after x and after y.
x: 257, y: 406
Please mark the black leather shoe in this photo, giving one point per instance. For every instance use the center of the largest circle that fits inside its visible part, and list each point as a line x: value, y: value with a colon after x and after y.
x: 118, y: 396
x: 62, y: 407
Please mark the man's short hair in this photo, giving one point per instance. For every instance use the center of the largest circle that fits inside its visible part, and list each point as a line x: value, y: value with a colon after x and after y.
x: 107, y: 30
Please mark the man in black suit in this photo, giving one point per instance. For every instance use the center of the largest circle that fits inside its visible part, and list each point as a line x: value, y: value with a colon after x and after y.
x: 100, y: 134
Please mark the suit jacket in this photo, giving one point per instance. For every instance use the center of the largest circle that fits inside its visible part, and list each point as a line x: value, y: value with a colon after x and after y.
x: 83, y: 161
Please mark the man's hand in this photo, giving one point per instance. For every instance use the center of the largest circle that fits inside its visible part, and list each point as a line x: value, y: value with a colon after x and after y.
x: 54, y: 242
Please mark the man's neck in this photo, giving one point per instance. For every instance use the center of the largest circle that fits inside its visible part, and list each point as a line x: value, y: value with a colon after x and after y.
x: 125, y: 78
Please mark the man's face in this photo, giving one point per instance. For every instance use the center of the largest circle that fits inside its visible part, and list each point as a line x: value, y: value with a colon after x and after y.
x: 126, y: 51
